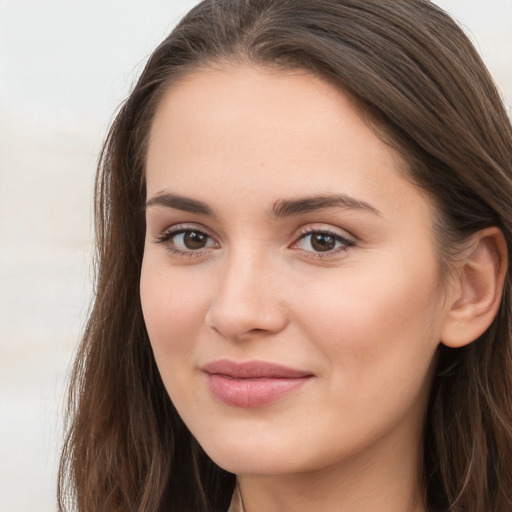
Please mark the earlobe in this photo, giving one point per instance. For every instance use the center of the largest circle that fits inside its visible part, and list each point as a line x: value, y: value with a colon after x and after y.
x: 479, y: 288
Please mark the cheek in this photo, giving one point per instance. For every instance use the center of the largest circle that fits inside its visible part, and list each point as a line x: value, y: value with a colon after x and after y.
x: 174, y: 305
x: 380, y: 324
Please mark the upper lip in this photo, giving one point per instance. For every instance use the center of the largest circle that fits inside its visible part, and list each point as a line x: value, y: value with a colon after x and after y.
x: 253, y: 370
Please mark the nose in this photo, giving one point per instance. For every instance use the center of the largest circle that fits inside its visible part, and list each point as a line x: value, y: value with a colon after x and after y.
x: 248, y: 299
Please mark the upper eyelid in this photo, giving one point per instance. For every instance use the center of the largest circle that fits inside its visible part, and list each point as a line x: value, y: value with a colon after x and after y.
x: 332, y: 230
x: 179, y: 228
x: 324, y: 230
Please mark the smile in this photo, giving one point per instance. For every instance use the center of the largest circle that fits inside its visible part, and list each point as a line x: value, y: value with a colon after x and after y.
x: 252, y: 384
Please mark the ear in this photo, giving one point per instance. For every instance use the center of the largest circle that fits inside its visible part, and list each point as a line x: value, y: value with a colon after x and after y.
x: 475, y: 295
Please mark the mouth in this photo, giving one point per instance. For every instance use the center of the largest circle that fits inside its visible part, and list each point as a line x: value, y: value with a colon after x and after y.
x: 253, y: 383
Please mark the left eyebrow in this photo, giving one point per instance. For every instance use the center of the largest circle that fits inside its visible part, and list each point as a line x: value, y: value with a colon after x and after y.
x: 289, y: 207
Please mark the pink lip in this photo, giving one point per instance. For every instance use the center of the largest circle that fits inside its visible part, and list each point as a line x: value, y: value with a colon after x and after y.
x: 253, y: 383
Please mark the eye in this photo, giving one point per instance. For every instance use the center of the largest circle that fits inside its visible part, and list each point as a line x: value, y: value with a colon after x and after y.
x: 186, y: 241
x: 323, y: 242
x: 191, y: 240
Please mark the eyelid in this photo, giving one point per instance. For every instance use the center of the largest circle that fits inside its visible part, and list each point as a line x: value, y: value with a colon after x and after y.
x: 179, y: 228
x: 325, y: 228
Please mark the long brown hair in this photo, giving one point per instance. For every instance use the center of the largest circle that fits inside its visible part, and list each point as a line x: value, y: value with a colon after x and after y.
x: 423, y: 85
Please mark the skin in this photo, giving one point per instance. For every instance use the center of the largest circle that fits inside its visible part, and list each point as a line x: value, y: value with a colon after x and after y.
x: 365, y: 318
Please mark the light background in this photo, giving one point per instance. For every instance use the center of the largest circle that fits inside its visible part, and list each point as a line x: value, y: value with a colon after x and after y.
x: 64, y: 68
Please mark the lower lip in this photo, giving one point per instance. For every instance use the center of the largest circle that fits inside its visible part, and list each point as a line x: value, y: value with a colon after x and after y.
x: 252, y: 392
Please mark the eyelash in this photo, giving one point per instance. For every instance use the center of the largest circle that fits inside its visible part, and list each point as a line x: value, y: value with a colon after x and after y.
x: 166, y: 238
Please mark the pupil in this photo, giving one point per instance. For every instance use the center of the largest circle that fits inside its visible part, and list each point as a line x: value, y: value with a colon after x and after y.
x: 323, y: 243
x: 194, y: 240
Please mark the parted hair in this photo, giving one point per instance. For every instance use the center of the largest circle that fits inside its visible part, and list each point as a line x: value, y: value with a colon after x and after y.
x: 421, y: 84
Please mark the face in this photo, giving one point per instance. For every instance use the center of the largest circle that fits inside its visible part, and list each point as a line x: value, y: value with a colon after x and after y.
x: 290, y: 284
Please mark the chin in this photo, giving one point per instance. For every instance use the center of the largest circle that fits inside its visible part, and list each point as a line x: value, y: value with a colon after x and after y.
x: 245, y: 454
x: 248, y: 455
x: 260, y: 463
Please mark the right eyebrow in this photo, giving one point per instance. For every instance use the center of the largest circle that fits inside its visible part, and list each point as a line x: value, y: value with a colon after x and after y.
x: 180, y: 203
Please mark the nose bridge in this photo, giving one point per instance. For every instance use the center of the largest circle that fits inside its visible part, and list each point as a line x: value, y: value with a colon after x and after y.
x: 246, y: 298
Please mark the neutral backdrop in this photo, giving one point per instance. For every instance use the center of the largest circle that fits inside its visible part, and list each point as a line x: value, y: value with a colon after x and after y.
x: 65, y: 66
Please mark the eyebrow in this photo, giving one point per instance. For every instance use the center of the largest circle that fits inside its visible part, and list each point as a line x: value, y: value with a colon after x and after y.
x: 180, y: 203
x: 286, y: 208
x: 281, y: 208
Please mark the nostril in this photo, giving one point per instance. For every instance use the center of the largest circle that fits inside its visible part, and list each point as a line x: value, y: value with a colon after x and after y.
x: 243, y: 321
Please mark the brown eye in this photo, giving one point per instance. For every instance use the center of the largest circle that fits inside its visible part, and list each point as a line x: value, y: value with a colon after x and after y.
x: 318, y: 242
x: 187, y: 241
x: 194, y: 240
x: 323, y: 242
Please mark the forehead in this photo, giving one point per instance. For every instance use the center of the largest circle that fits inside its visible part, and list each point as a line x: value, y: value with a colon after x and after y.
x: 265, y: 101
x: 264, y: 133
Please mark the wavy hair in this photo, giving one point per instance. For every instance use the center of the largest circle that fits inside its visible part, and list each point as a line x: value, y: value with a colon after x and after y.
x: 421, y: 83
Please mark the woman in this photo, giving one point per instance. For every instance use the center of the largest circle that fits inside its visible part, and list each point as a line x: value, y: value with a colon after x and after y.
x: 303, y: 219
